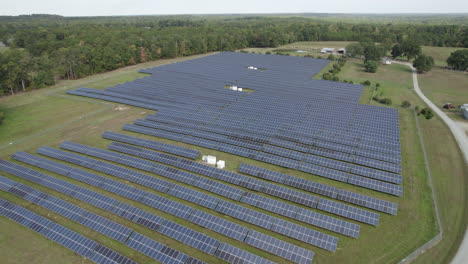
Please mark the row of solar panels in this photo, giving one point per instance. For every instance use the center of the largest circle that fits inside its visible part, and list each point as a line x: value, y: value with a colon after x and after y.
x: 271, y: 136
x: 155, y: 106
x: 287, y: 153
x: 59, y: 234
x: 271, y: 189
x: 322, y: 189
x: 231, y: 130
x: 156, y: 223
x: 306, y: 216
x: 273, y: 159
x: 313, y: 237
x: 299, y: 133
x: 100, y: 224
x: 150, y: 199
x: 168, y: 148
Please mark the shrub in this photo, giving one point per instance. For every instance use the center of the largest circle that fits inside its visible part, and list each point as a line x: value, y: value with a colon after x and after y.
x: 331, y: 57
x: 366, y: 83
x: 427, y: 113
x: 405, y: 104
x: 386, y: 101
x: 336, y: 79
x: 268, y: 53
x: 326, y: 76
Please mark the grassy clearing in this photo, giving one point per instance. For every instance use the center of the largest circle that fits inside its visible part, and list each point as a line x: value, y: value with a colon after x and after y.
x: 440, y: 54
x: 2, y: 49
x: 449, y: 172
x: 84, y: 120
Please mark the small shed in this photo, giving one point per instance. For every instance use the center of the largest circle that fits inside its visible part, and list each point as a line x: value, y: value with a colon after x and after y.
x: 342, y: 51
x: 464, y: 111
x: 211, y: 160
x: 386, y: 61
x: 220, y: 164
x: 327, y: 50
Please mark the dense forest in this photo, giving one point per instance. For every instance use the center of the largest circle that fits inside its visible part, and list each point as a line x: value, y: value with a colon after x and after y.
x: 46, y: 48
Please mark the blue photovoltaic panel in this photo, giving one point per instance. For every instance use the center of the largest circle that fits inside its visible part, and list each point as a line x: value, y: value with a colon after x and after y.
x: 62, y: 235
x: 232, y: 254
x: 68, y: 210
x: 279, y: 247
x: 155, y: 250
x: 251, y: 216
x: 219, y: 225
x: 134, y: 214
x: 325, y: 190
x: 176, y: 150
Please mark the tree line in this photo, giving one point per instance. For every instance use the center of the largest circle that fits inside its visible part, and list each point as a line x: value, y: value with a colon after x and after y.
x: 45, y: 48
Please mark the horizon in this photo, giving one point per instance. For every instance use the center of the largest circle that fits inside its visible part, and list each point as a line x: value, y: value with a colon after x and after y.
x: 237, y: 14
x: 87, y: 8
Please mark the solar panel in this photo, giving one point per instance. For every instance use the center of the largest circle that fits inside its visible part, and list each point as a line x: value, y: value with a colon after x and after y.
x: 279, y: 247
x: 349, y: 212
x: 325, y: 190
x: 156, y: 223
x: 155, y: 250
x: 176, y: 150
x: 219, y: 225
x: 62, y: 235
x: 232, y: 254
x: 305, y: 234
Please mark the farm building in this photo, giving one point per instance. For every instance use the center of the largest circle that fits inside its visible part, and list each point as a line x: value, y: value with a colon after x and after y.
x: 342, y: 51
x: 327, y: 50
x: 464, y: 110
x: 386, y: 61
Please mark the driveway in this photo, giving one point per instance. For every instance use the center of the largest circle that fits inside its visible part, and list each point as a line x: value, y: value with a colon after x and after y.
x: 460, y: 136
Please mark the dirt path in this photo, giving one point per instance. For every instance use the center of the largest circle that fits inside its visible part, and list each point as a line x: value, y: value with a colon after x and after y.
x: 460, y: 136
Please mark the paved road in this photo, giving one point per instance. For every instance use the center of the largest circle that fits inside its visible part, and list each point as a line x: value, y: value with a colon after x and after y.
x: 462, y: 140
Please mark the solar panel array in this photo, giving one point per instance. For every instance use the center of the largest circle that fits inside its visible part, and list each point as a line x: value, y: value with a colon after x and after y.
x: 79, y: 244
x: 214, y: 223
x: 289, y: 120
x: 247, y: 182
x: 134, y: 214
x: 313, y: 121
x: 322, y: 189
x: 326, y: 172
x: 320, y: 220
x: 98, y: 223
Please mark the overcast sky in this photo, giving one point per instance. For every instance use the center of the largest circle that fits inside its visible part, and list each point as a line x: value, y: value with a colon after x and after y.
x: 149, y: 7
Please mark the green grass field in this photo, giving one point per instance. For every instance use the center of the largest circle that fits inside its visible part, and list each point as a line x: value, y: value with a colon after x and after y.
x: 443, y: 86
x: 49, y: 116
x: 449, y: 172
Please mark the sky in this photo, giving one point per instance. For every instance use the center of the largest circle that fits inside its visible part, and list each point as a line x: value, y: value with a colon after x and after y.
x: 157, y: 7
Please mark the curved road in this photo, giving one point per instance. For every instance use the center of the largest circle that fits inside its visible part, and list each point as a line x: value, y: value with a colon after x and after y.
x: 462, y: 255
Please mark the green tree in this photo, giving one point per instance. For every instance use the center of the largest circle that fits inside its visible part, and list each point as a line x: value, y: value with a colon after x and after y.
x: 372, y: 52
x: 458, y: 60
x: 423, y: 63
x: 397, y: 51
x: 411, y: 49
x: 371, y: 66
x: 355, y: 50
